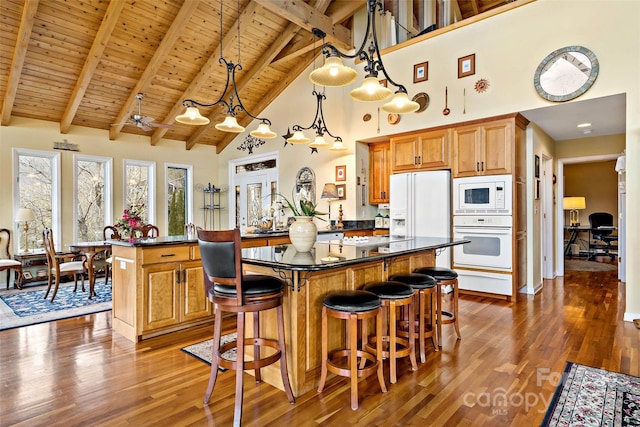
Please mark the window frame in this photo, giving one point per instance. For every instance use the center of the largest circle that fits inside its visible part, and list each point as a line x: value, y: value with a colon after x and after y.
x: 108, y: 188
x: 151, y: 187
x: 188, y: 187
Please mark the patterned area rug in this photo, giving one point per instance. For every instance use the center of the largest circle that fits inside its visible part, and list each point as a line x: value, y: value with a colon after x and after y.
x: 28, y: 307
x: 583, y: 265
x: 204, y: 349
x: 594, y: 397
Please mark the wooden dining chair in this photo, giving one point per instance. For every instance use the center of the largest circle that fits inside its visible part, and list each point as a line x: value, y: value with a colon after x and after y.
x: 149, y: 230
x: 109, y: 233
x: 7, y: 263
x: 60, y: 265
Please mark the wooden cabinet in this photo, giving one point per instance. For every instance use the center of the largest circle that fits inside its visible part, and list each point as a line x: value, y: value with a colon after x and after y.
x: 483, y: 149
x: 379, y: 171
x: 157, y: 290
x: 420, y: 151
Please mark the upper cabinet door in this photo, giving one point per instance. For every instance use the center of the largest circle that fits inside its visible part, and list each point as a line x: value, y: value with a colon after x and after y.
x: 466, y: 142
x: 379, y: 171
x: 404, y: 153
x: 483, y: 149
x: 497, y: 138
x: 434, y: 151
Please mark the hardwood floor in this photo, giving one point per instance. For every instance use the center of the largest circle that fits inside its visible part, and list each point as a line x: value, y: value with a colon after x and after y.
x: 76, y: 372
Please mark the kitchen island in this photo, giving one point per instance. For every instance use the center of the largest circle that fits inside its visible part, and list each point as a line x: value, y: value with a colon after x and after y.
x: 158, y: 287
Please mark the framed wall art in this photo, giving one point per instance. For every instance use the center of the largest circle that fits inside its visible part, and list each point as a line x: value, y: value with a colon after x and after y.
x: 467, y: 65
x: 342, y: 191
x: 341, y: 173
x: 421, y: 72
x: 383, y: 82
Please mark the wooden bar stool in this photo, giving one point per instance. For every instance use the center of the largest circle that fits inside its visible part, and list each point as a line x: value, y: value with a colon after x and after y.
x: 444, y: 276
x: 424, y: 289
x: 231, y: 291
x: 394, y: 296
x: 352, y: 306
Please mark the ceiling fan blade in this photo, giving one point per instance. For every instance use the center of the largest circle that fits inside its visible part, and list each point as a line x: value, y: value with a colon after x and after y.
x: 160, y: 125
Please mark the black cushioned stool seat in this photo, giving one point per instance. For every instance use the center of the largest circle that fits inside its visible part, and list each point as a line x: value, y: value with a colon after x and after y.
x: 444, y: 276
x: 352, y: 306
x: 424, y: 290
x: 394, y: 295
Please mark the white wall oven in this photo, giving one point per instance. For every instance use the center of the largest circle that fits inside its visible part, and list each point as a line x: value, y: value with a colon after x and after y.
x: 484, y: 264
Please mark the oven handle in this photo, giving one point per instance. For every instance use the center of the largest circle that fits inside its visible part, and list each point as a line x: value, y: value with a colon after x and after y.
x: 483, y: 230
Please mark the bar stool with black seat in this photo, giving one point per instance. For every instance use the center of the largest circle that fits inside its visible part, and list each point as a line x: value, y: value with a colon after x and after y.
x: 352, y: 306
x: 394, y: 295
x: 444, y: 277
x: 424, y: 289
x: 231, y: 291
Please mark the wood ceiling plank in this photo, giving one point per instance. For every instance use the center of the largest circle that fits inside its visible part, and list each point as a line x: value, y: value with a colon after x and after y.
x: 93, y: 58
x: 160, y: 55
x: 308, y: 17
x: 19, y: 55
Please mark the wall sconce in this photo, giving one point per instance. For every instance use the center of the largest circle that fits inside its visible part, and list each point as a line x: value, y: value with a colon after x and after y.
x: 573, y: 204
x: 25, y: 215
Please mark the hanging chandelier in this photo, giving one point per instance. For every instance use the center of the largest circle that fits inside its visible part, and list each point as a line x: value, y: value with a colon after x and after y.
x: 192, y: 115
x: 318, y: 124
x: 335, y: 73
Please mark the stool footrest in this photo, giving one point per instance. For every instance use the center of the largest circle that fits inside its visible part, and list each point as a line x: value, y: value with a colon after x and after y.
x: 337, y: 368
x: 249, y: 364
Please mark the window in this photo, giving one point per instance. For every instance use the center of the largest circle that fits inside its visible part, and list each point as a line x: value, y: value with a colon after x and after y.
x: 179, y: 198
x: 92, y: 197
x: 37, y: 187
x: 139, y: 183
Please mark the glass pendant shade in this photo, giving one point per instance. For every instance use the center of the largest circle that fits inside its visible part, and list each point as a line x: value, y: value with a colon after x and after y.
x: 400, y: 104
x: 298, y: 138
x: 263, y: 132
x: 230, y: 124
x: 319, y: 142
x: 371, y: 90
x: 333, y: 73
x: 337, y: 146
x: 192, y: 116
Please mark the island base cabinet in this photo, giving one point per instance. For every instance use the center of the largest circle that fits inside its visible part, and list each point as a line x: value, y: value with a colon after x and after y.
x: 152, y: 296
x: 303, y: 299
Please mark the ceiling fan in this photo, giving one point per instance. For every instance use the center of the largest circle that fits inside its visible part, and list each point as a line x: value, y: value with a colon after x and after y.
x: 145, y: 123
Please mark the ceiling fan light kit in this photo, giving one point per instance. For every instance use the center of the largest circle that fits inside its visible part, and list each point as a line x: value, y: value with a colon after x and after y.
x: 192, y: 115
x: 334, y: 73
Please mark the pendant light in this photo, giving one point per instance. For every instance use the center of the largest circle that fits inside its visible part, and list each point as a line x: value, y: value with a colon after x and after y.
x: 335, y: 73
x: 192, y: 115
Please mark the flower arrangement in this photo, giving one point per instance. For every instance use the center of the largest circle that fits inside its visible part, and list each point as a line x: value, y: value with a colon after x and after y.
x: 131, y: 220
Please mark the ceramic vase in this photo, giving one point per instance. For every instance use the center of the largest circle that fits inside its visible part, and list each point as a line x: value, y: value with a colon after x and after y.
x: 303, y: 233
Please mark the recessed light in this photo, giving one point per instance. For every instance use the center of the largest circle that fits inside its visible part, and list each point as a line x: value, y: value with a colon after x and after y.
x: 584, y: 125
x: 588, y: 131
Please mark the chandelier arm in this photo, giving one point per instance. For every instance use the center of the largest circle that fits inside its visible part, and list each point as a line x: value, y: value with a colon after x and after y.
x: 239, y: 106
x: 313, y: 125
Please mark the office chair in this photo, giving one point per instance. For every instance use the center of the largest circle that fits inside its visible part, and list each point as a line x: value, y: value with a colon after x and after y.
x: 601, y: 224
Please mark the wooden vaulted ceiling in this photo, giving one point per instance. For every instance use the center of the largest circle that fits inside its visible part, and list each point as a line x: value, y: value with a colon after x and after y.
x: 81, y: 63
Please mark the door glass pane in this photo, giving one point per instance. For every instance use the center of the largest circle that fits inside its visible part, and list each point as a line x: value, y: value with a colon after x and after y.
x: 177, y: 214
x: 90, y: 200
x: 254, y: 203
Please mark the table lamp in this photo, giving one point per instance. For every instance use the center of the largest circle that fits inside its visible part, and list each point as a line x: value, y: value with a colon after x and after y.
x: 330, y: 192
x: 25, y: 215
x: 572, y: 204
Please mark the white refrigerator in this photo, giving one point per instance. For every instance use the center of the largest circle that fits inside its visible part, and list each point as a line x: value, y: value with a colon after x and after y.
x: 420, y: 205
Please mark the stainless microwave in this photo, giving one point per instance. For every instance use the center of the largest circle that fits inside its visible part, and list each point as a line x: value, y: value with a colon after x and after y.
x: 483, y: 195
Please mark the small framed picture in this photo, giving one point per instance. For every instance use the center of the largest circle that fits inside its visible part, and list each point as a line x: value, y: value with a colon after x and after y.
x: 341, y: 173
x: 342, y: 191
x: 467, y: 65
x: 421, y: 72
x: 536, y: 166
x: 383, y: 82
x: 27, y: 275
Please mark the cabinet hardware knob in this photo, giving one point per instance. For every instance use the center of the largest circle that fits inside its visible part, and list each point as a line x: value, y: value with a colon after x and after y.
x: 477, y: 166
x: 167, y: 255
x: 482, y: 166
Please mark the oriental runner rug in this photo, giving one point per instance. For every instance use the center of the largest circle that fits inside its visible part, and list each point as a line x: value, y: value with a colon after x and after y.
x: 204, y: 349
x: 594, y: 397
x: 28, y: 306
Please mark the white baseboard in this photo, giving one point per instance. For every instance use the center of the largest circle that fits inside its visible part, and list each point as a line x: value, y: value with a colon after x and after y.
x: 629, y: 317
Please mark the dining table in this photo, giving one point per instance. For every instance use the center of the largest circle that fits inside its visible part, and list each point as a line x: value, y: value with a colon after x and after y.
x: 90, y: 250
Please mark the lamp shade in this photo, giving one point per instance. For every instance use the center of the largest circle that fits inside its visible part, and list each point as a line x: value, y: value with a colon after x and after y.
x: 333, y: 73
x: 298, y: 138
x: 337, y: 146
x: 319, y: 142
x: 400, y: 104
x: 330, y: 191
x: 192, y: 116
x: 370, y: 90
x: 263, y: 132
x: 230, y: 124
x: 569, y: 203
x: 24, y: 215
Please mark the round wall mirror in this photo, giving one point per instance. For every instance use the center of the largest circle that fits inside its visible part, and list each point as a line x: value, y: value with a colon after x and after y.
x: 566, y: 73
